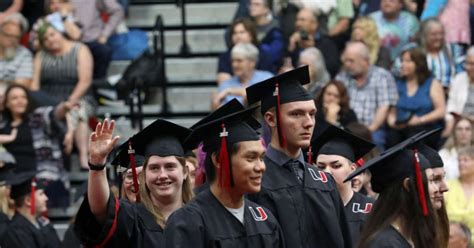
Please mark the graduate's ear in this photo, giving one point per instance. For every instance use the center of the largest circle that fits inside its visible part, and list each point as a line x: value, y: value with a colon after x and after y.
x: 215, y: 161
x: 270, y: 118
x: 406, y: 184
x: 26, y: 201
x: 353, y: 165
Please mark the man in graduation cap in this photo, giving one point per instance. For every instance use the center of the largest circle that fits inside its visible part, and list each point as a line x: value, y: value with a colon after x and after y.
x: 337, y: 152
x: 403, y: 215
x: 220, y: 216
x: 27, y: 228
x: 103, y: 220
x: 303, y: 198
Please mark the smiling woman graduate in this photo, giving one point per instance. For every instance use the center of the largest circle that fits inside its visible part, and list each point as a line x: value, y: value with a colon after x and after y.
x: 103, y: 220
x: 220, y: 216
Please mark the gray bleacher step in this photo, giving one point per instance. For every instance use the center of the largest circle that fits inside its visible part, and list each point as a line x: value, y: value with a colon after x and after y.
x: 196, y: 14
x: 179, y: 69
x: 199, y: 41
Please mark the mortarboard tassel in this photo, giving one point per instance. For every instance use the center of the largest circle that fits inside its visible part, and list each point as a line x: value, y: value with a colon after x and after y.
x: 131, y: 154
x: 419, y: 184
x: 33, y: 197
x: 281, y: 136
x: 359, y: 163
x: 224, y: 161
x: 310, y: 156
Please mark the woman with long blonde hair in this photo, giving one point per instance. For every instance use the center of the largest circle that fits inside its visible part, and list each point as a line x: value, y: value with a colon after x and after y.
x: 364, y: 29
x: 103, y: 220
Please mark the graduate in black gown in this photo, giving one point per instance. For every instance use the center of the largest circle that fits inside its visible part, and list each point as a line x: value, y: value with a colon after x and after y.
x: 303, y: 198
x: 402, y: 216
x: 27, y: 227
x: 220, y: 216
x: 104, y: 220
x: 6, y: 175
x: 337, y: 152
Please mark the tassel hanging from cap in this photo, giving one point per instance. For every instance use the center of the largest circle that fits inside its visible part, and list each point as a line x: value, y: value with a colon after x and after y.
x: 281, y: 136
x: 419, y: 184
x: 310, y: 155
x: 360, y: 162
x: 224, y: 161
x: 33, y: 197
x: 131, y: 154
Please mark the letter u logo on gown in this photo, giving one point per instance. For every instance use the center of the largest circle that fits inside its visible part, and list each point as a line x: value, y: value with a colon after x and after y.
x: 318, y: 176
x: 260, y: 215
x: 356, y: 208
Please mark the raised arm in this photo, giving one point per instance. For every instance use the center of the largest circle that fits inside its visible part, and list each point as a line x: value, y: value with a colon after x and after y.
x: 101, y: 143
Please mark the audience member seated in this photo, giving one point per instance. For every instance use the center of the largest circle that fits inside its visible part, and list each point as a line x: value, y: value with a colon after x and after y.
x: 461, y: 93
x: 459, y: 235
x: 365, y: 7
x: 63, y: 70
x: 461, y: 136
x: 372, y: 90
x: 8, y: 7
x: 460, y: 197
x: 59, y: 13
x: 364, y: 29
x: 16, y: 61
x: 38, y: 143
x: 396, y: 27
x: 244, y: 60
x: 455, y: 19
x: 96, y: 32
x: 421, y: 103
x: 269, y: 35
x: 444, y: 60
x: 333, y: 107
x: 318, y: 74
x: 243, y: 31
x: 307, y: 35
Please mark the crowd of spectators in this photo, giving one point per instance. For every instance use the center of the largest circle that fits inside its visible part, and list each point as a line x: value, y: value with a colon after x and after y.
x: 394, y: 66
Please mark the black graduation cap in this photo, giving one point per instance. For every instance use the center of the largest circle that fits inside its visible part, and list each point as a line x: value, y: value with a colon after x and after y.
x: 336, y: 141
x: 231, y: 106
x: 222, y: 129
x: 122, y: 163
x: 431, y: 154
x: 395, y: 164
x: 24, y: 183
x: 6, y: 174
x: 281, y: 89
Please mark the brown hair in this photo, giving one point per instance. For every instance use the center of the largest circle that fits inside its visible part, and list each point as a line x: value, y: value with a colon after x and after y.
x: 343, y: 95
x: 452, y: 142
x: 6, y: 112
x: 249, y: 26
x: 186, y: 191
x: 419, y: 58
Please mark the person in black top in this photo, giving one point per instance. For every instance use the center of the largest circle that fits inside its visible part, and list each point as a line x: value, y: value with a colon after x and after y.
x: 220, y: 216
x: 303, y: 198
x: 6, y: 175
x: 103, y: 220
x: 403, y: 215
x: 338, y: 152
x: 27, y: 227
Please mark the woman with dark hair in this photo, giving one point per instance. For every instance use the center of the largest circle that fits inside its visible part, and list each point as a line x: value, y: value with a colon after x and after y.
x: 403, y: 215
x: 333, y: 107
x: 38, y: 142
x: 242, y: 30
x: 421, y: 103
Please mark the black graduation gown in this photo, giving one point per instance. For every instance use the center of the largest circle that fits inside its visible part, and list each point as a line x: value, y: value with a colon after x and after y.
x: 205, y: 222
x: 312, y: 214
x: 3, y: 224
x: 131, y: 226
x: 357, y: 210
x: 22, y: 233
x: 389, y: 238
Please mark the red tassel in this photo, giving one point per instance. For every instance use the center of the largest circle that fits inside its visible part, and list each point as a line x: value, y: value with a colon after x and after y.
x: 419, y: 184
x: 131, y: 154
x: 33, y: 197
x: 281, y: 136
x: 310, y: 156
x: 224, y: 170
x: 359, y: 163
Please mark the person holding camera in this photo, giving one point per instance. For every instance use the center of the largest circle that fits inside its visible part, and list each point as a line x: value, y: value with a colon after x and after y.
x: 307, y: 35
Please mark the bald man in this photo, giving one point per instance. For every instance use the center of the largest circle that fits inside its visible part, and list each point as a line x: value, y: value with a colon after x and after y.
x: 372, y: 90
x: 307, y: 35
